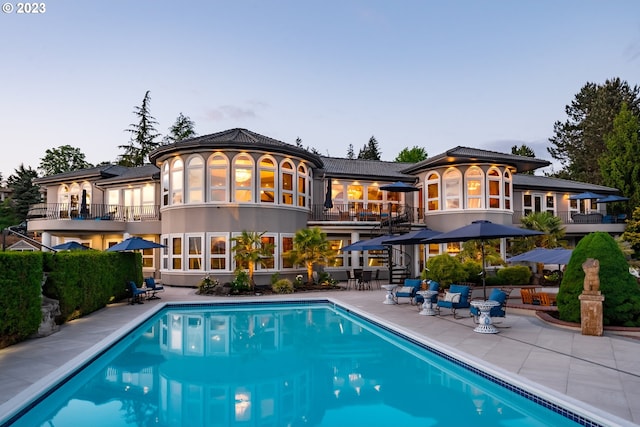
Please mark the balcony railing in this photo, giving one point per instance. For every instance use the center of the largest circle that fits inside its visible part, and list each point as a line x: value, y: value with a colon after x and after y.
x: 378, y: 212
x: 579, y: 218
x: 94, y: 212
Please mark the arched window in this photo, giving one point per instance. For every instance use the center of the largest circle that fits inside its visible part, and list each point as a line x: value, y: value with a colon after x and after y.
x: 195, y: 180
x: 452, y: 181
x: 303, y: 185
x: 243, y: 178
x: 433, y: 192
x: 507, y: 189
x: 177, y: 177
x: 267, y: 180
x: 287, y: 173
x: 494, y: 186
x: 165, y: 184
x: 218, y: 178
x: 63, y: 194
x: 475, y: 188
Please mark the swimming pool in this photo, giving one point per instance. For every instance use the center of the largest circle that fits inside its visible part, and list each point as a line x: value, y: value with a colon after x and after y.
x: 278, y: 364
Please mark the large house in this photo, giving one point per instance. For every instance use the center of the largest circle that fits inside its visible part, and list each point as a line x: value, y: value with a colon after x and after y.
x: 197, y: 194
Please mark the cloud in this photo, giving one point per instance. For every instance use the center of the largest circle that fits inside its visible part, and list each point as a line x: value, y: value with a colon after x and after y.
x: 230, y: 112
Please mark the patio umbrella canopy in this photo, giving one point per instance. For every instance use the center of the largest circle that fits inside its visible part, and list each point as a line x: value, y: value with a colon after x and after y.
x: 399, y: 187
x: 133, y: 244
x: 70, y: 246
x: 586, y: 195
x: 412, y: 238
x: 375, y: 244
x: 544, y: 256
x: 483, y: 231
x: 612, y: 198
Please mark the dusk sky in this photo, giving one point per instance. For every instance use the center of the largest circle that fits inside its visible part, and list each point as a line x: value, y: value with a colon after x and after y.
x: 433, y: 74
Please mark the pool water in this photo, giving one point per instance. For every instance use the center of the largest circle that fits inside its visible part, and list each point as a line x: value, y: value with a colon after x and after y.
x: 294, y: 364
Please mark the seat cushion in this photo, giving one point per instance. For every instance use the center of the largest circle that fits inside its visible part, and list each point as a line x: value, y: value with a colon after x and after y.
x: 405, y: 290
x: 452, y: 297
x: 498, y: 295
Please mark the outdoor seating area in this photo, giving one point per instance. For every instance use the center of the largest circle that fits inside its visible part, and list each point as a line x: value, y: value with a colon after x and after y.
x: 531, y: 295
x: 360, y: 279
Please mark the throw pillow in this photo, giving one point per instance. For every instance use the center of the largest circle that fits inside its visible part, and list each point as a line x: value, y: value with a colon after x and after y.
x: 451, y: 297
x: 405, y: 289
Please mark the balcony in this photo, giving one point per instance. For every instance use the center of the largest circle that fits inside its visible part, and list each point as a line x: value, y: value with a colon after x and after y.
x: 98, y: 212
x: 583, y: 223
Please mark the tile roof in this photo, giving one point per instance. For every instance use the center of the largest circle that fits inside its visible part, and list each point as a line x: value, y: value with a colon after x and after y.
x: 337, y: 167
x: 235, y: 139
x: 101, y: 171
x: 556, y: 184
x: 460, y: 155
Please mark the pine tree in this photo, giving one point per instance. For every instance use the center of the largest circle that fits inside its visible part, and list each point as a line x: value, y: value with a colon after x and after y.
x: 143, y: 135
x: 370, y: 151
x: 24, y: 192
x: 182, y: 129
x: 350, y: 154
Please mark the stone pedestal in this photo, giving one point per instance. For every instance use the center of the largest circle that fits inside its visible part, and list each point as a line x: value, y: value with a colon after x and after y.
x: 591, y: 313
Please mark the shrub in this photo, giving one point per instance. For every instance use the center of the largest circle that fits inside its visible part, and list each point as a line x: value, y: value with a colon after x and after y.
x: 282, y: 286
x: 472, y: 270
x: 515, y: 275
x: 241, y: 282
x: 446, y: 269
x: 207, y: 285
x: 622, y: 296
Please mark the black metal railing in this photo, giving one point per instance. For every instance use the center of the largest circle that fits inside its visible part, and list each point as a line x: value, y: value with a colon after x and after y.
x: 371, y: 212
x: 578, y: 217
x: 94, y: 212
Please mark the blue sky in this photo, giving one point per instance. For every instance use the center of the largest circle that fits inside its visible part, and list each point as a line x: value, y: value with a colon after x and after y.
x: 434, y: 74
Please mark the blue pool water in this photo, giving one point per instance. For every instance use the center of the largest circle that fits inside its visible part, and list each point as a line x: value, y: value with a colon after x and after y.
x: 312, y: 364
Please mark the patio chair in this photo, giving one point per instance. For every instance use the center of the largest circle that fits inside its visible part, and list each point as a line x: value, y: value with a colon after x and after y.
x: 497, y: 295
x: 408, y: 290
x: 352, y: 281
x: 527, y: 295
x: 365, y: 280
x: 153, y: 288
x: 136, y: 293
x: 456, y: 297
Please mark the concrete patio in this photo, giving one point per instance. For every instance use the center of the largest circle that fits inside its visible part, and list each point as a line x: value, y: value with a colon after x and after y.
x: 600, y: 373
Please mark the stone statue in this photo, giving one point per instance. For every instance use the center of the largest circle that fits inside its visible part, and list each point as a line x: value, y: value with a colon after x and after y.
x: 591, y: 269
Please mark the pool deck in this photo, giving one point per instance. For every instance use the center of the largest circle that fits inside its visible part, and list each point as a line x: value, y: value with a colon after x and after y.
x: 601, y: 373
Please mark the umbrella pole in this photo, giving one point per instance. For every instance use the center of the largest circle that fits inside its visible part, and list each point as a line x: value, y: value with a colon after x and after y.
x: 484, y: 273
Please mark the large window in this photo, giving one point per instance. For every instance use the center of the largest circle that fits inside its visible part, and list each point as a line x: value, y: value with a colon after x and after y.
x: 218, y: 250
x: 286, y: 244
x: 494, y: 185
x: 218, y: 178
x: 475, y: 190
x: 176, y: 253
x: 165, y: 184
x: 243, y: 178
x: 452, y: 181
x: 303, y: 185
x: 288, y: 174
x: 267, y: 180
x: 177, y: 173
x: 433, y: 192
x: 195, y: 255
x: 538, y: 203
x: 195, y: 180
x: 507, y: 189
x: 268, y: 262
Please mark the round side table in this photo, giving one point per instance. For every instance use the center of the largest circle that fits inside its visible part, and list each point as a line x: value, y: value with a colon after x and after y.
x: 485, y: 325
x: 427, y: 305
x: 389, y: 299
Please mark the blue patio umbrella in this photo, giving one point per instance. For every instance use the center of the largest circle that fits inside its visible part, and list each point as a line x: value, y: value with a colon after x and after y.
x: 375, y: 244
x: 544, y: 256
x: 134, y: 243
x: 412, y: 238
x: 586, y: 195
x: 612, y: 198
x: 482, y: 230
x: 70, y: 246
x: 399, y: 187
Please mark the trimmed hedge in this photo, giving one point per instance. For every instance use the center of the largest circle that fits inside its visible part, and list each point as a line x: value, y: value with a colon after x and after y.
x: 621, y: 293
x: 446, y: 269
x: 515, y: 275
x: 20, y: 301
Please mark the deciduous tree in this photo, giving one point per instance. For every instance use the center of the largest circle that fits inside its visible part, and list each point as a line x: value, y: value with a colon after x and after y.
x: 24, y: 192
x: 62, y: 159
x: 414, y: 154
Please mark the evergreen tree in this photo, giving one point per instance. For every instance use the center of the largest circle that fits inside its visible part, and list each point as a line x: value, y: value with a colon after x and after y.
x: 370, y: 151
x: 299, y: 142
x: 182, y: 129
x: 24, y: 192
x: 620, y: 163
x: 350, y: 154
x: 579, y: 142
x: 525, y: 151
x: 62, y: 159
x: 143, y: 135
x: 411, y: 155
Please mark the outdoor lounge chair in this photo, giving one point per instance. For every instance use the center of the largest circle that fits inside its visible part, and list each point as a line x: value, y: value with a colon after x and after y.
x: 408, y: 290
x: 456, y: 297
x: 153, y: 288
x: 497, y: 295
x: 136, y: 293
